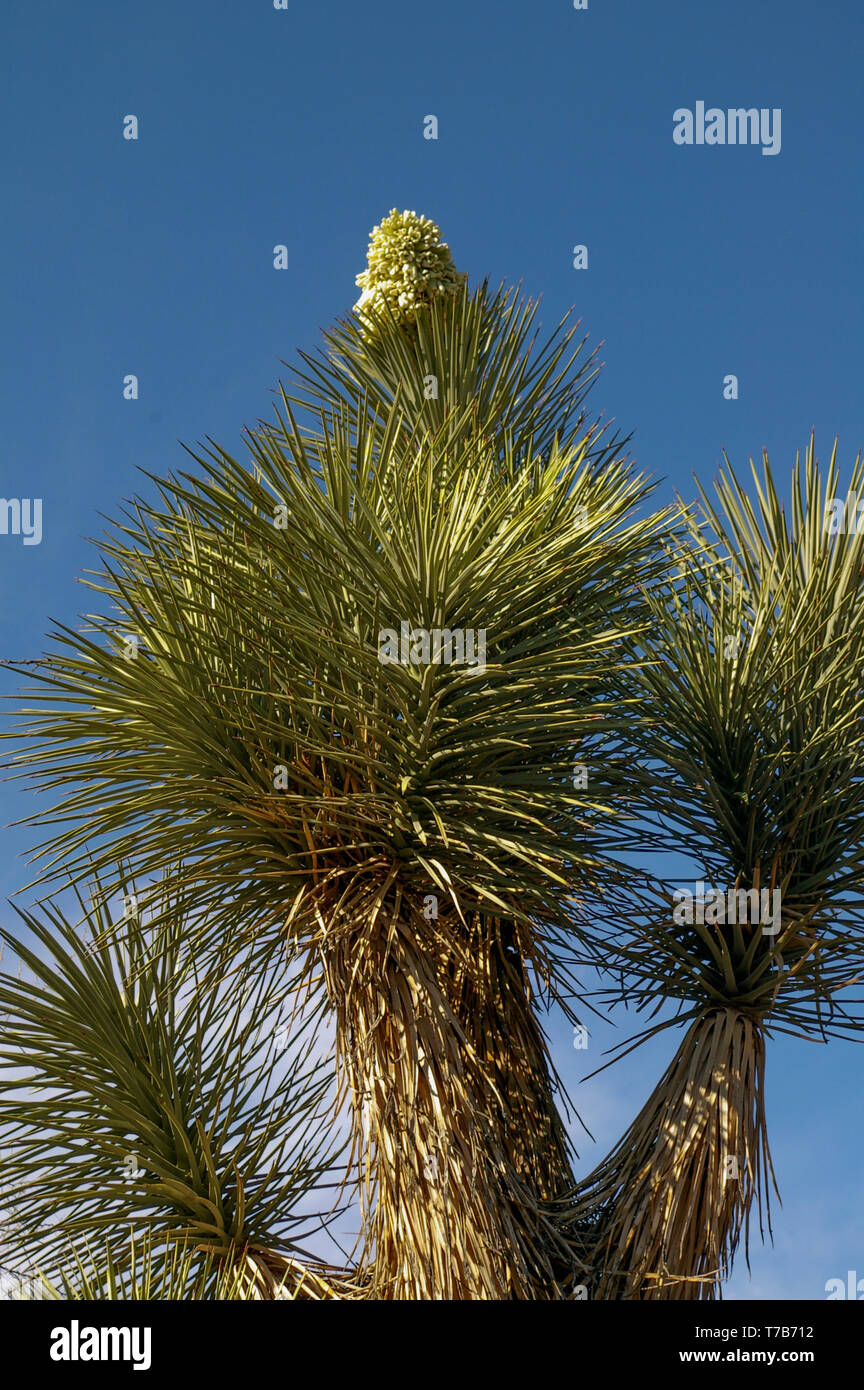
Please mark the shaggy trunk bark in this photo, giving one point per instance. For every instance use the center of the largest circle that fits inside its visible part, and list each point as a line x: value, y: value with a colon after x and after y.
x: 669, y: 1203
x: 459, y: 1144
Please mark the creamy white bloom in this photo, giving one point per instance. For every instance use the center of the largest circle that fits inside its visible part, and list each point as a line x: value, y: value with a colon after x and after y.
x: 407, y: 264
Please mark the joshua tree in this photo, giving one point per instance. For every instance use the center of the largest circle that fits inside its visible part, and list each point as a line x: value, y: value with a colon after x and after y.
x: 155, y: 1098
x: 751, y: 709
x: 386, y: 702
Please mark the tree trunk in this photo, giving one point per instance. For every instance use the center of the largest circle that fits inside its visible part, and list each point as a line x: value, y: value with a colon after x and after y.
x: 669, y: 1203
x: 461, y: 1150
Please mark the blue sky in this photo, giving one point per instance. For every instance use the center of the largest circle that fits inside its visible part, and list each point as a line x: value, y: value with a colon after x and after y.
x: 304, y: 127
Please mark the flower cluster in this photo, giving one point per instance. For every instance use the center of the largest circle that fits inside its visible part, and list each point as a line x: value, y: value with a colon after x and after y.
x: 408, y: 263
